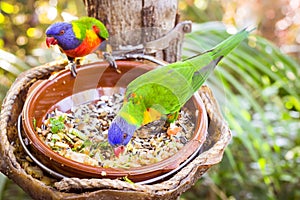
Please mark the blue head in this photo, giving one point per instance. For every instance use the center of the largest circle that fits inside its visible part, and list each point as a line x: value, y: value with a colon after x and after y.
x: 62, y: 34
x: 120, y: 132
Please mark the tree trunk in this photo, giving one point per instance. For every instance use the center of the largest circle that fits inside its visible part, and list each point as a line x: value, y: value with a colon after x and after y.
x: 132, y: 23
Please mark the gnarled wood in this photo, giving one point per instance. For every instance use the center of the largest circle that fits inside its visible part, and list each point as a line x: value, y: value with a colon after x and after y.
x: 133, y: 22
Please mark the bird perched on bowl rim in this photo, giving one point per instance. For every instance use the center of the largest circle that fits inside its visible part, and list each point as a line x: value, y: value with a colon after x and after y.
x: 79, y: 38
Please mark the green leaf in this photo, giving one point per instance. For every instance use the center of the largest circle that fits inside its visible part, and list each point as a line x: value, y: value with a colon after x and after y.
x: 3, y: 180
x: 125, y: 178
x: 57, y: 124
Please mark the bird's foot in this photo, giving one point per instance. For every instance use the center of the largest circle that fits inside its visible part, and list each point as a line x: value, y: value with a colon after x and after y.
x: 111, y: 60
x: 72, y: 67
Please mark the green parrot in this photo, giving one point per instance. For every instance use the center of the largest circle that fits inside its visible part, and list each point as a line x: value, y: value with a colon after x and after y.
x: 163, y: 91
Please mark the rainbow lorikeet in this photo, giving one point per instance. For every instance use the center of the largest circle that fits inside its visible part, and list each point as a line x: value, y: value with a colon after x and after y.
x: 78, y: 38
x: 163, y: 91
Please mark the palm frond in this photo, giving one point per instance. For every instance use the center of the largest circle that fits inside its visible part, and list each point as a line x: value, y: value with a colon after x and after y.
x: 10, y: 67
x: 257, y: 90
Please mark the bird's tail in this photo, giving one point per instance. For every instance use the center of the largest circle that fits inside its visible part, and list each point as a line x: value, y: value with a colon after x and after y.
x: 225, y: 47
x: 201, y: 75
x: 219, y: 51
x: 210, y: 59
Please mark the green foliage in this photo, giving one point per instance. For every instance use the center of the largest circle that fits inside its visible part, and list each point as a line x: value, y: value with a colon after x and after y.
x: 257, y: 89
x: 57, y: 124
x: 10, y: 67
x: 3, y: 180
x: 10, y: 191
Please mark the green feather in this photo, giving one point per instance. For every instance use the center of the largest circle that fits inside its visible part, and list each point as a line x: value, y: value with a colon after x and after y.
x: 168, y: 88
x: 86, y: 23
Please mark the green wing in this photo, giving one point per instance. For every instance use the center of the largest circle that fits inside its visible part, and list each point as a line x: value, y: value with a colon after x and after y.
x: 79, y: 29
x: 86, y: 23
x: 204, y: 63
x: 166, y: 88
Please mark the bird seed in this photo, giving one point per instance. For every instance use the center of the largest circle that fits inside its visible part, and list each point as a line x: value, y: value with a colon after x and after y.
x: 81, y: 135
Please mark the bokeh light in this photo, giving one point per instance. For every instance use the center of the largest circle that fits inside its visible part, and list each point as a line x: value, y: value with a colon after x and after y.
x: 7, y: 7
x: 278, y: 21
x: 23, y: 25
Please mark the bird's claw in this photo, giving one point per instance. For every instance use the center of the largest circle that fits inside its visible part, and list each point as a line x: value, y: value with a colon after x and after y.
x: 72, y: 67
x: 110, y: 59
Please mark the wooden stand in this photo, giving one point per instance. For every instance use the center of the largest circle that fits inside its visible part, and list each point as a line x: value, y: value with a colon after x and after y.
x: 134, y: 23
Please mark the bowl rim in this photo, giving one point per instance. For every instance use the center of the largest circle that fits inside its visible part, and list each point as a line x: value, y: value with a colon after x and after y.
x: 164, y: 165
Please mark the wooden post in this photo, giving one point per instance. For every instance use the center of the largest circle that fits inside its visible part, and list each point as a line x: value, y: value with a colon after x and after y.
x: 136, y: 22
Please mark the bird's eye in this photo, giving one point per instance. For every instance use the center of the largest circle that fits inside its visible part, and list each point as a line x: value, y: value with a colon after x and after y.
x: 124, y: 135
x: 61, y: 32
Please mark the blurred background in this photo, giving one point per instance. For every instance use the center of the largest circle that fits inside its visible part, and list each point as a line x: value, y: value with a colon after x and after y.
x: 259, y: 80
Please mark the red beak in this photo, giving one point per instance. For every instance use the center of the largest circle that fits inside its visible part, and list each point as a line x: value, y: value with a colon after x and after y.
x: 51, y: 41
x: 119, y: 150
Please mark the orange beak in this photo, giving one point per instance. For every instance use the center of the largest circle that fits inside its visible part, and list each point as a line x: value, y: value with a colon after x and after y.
x: 51, y: 41
x: 119, y: 150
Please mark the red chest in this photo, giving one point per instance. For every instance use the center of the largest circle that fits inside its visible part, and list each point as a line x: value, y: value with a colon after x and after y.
x: 88, y: 45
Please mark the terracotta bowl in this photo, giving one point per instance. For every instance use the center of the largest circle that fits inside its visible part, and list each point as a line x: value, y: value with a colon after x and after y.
x: 62, y: 91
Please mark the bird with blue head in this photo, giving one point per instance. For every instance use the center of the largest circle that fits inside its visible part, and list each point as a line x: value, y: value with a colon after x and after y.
x: 77, y: 38
x: 163, y: 91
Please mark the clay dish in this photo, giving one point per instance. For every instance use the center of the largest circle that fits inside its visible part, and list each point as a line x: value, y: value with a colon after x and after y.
x: 63, y: 91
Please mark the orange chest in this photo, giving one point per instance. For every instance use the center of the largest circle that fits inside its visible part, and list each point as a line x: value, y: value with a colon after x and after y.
x: 88, y: 45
